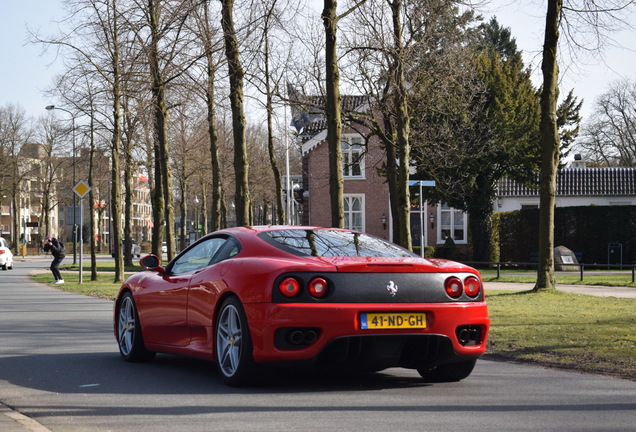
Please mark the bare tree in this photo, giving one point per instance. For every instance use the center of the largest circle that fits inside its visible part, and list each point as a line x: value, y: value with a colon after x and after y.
x: 381, y: 47
x: 596, y: 17
x: 609, y: 137
x: 50, y: 170
x: 15, y: 131
x: 212, y: 65
x: 95, y: 41
x: 268, y: 72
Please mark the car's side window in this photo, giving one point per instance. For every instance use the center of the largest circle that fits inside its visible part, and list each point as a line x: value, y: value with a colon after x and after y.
x: 229, y: 249
x: 198, y: 256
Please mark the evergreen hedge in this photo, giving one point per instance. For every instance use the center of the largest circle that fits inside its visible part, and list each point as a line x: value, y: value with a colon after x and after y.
x: 588, y: 230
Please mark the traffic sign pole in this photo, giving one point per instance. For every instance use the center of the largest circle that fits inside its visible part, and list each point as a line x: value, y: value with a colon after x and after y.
x: 81, y: 189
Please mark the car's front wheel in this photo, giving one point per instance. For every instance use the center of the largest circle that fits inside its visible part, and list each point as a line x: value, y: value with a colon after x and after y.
x: 129, y: 336
x: 449, y: 372
x: 233, y: 345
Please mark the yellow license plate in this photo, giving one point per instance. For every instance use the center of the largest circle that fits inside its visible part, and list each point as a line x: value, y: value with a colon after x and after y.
x: 401, y: 320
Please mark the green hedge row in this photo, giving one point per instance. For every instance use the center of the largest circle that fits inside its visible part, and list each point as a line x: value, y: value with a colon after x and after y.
x: 589, y: 230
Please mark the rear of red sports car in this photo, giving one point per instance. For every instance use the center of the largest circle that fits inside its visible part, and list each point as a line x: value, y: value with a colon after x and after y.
x: 371, y: 317
x: 373, y: 312
x: 312, y: 296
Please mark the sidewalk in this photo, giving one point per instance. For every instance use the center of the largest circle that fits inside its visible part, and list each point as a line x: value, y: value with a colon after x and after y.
x: 13, y: 421
x: 594, y: 290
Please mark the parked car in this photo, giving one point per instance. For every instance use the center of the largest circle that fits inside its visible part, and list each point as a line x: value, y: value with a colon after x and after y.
x: 164, y: 247
x: 135, y: 249
x: 6, y: 256
x: 250, y: 296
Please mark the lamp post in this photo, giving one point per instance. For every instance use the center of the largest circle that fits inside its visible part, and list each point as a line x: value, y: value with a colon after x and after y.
x: 51, y: 108
x: 196, y: 218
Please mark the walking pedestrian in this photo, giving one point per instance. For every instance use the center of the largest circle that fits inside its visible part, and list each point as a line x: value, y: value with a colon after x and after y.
x: 56, y: 248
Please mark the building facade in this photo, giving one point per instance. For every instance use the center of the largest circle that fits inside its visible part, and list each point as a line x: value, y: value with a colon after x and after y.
x: 581, y: 186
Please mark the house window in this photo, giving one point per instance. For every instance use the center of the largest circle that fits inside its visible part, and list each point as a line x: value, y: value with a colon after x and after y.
x: 453, y: 223
x: 352, y: 157
x: 354, y: 212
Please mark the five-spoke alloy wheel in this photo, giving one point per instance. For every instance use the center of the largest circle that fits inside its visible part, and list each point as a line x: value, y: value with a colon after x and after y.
x: 129, y: 336
x: 233, y: 344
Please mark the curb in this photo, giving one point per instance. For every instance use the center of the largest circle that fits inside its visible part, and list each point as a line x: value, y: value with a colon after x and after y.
x: 13, y: 421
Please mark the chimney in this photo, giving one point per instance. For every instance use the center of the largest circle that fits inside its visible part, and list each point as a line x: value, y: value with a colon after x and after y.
x: 578, y: 162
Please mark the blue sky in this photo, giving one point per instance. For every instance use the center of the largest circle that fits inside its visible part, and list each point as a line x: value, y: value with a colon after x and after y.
x: 26, y: 72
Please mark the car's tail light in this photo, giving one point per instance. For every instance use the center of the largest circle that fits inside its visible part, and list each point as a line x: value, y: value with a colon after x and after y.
x: 472, y: 287
x: 453, y: 287
x: 318, y: 287
x: 2, y: 251
x: 289, y: 287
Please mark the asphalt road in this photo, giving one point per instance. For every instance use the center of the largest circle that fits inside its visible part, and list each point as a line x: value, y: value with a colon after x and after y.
x: 59, y: 365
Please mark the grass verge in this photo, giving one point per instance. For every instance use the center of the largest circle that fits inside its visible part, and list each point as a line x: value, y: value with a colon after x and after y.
x: 103, y: 287
x: 570, y: 331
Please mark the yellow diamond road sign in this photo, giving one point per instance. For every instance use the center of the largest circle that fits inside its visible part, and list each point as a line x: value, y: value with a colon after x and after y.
x: 81, y: 189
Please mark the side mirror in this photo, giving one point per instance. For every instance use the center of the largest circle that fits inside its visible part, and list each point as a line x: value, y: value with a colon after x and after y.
x: 151, y: 262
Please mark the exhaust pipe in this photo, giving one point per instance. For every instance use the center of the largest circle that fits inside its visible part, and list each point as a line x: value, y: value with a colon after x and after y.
x: 469, y: 335
x: 296, y: 337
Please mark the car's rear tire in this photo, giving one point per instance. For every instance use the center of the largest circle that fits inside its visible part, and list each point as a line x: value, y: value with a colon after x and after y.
x: 449, y: 372
x: 129, y: 336
x: 233, y: 345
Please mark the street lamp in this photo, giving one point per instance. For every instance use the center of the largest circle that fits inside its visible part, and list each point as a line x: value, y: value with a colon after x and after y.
x: 51, y: 108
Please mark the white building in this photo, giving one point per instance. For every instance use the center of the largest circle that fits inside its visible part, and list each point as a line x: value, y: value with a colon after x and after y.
x: 575, y: 187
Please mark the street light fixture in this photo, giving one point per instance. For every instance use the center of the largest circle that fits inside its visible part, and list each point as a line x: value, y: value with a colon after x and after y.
x: 51, y: 108
x: 196, y: 217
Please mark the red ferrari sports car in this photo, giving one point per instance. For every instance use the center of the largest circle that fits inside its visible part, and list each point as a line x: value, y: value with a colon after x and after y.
x: 250, y: 296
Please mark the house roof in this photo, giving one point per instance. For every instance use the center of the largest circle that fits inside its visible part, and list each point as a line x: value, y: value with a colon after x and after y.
x: 310, y: 119
x: 580, y: 182
x: 33, y: 151
x: 308, y: 112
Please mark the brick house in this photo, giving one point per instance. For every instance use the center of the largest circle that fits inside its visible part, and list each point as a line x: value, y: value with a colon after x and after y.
x: 366, y: 194
x: 366, y: 191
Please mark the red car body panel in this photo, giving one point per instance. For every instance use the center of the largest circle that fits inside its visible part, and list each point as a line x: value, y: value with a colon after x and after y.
x: 339, y: 320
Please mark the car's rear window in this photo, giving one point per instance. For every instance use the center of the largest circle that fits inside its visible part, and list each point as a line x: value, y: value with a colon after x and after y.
x: 332, y: 243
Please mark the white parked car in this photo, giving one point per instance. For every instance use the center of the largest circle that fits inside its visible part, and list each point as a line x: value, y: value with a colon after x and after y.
x: 164, y: 247
x: 6, y: 257
x: 135, y: 249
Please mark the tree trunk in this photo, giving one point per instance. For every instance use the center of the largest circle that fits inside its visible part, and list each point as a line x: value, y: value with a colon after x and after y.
x: 334, y: 118
x: 91, y: 199
x: 235, y: 70
x: 128, y: 192
x: 549, y: 148
x: 280, y: 215
x: 162, y: 161
x: 480, y: 223
x: 211, y: 118
x: 402, y: 132
x: 392, y: 180
x: 115, y: 205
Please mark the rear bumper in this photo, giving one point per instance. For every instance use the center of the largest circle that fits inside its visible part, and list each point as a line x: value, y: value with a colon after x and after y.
x: 339, y: 325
